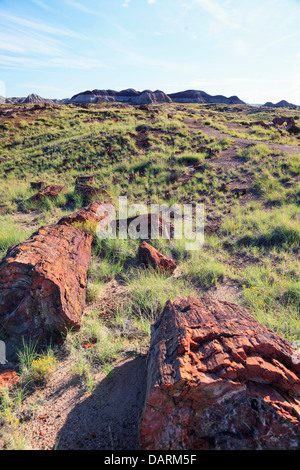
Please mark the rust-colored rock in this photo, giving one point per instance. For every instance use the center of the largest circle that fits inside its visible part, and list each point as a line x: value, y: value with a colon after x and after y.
x: 239, y: 191
x: 4, y: 209
x: 293, y: 129
x: 85, y: 179
x: 43, y: 280
x: 89, y: 192
x: 279, y: 121
x: 260, y: 123
x: 288, y: 122
x: 88, y: 217
x: 38, y: 184
x: 211, y: 152
x: 52, y: 191
x: 152, y: 257
x: 218, y: 379
x: 8, y: 378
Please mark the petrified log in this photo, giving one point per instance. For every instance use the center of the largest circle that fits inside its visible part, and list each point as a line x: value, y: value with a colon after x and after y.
x: 43, y: 281
x: 279, y: 121
x: 85, y: 179
x: 260, y: 123
x: 150, y: 256
x: 89, y: 216
x: 52, y: 191
x: 88, y: 192
x: 293, y: 129
x: 218, y: 379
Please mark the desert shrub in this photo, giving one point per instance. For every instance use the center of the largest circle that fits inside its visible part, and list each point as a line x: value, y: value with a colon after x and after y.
x: 143, y: 127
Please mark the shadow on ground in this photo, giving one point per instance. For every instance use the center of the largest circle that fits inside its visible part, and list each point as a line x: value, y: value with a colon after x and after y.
x: 108, y: 419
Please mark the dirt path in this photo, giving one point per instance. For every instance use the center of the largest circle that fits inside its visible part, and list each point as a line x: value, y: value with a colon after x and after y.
x: 69, y: 419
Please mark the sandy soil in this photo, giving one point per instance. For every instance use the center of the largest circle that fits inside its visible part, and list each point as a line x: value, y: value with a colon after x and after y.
x: 67, y: 418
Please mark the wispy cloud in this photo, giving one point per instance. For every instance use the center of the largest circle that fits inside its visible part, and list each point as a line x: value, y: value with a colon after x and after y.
x: 31, y: 44
x: 43, y: 5
x: 30, y: 63
x: 25, y: 42
x: 41, y: 87
x: 37, y: 25
x: 8, y: 46
x: 224, y: 16
x: 97, y: 13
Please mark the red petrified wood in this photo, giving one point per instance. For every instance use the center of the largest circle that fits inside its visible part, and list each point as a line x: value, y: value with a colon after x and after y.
x: 52, y: 191
x: 92, y: 214
x: 150, y: 256
x: 218, y: 379
x: 43, y: 280
x: 8, y: 378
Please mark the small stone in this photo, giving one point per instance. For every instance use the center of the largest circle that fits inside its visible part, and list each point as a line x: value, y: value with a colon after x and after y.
x: 150, y: 256
x: 8, y: 378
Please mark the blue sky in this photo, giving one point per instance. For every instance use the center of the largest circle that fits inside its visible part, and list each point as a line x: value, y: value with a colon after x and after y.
x: 57, y: 48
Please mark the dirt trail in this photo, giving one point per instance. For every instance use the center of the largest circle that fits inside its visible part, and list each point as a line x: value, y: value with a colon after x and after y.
x: 67, y: 418
x: 241, y: 142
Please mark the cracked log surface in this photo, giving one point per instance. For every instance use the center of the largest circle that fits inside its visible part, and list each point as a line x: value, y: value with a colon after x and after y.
x: 43, y: 280
x: 218, y: 379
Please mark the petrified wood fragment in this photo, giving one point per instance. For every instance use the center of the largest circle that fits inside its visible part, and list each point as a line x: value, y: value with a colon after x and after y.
x: 152, y: 257
x: 43, y: 280
x: 52, y: 191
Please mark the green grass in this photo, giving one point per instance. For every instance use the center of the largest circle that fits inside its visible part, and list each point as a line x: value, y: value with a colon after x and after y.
x: 150, y: 290
x: 11, y: 234
x: 266, y: 229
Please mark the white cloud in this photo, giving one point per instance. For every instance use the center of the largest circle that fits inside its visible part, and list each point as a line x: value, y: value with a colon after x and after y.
x: 151, y: 1
x: 41, y: 87
x: 6, y: 46
x: 28, y: 63
x: 223, y: 16
x: 26, y: 42
x: 36, y: 25
x: 43, y: 5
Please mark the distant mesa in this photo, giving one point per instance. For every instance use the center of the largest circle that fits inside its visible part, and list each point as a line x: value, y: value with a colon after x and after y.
x: 195, y: 96
x: 280, y: 104
x: 129, y: 96
x: 133, y: 97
